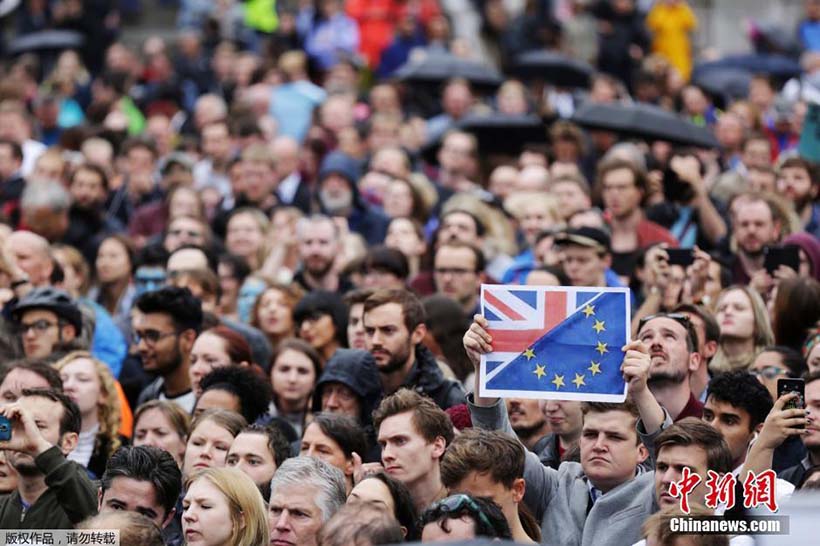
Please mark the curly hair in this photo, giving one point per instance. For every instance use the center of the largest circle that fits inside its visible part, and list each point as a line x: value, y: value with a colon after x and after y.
x: 254, y: 392
x: 108, y: 412
x: 742, y: 390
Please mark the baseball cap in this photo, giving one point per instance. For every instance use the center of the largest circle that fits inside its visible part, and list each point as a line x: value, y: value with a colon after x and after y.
x: 585, y: 236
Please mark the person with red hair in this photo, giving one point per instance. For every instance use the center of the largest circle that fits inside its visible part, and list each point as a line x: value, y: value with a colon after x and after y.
x: 214, y: 348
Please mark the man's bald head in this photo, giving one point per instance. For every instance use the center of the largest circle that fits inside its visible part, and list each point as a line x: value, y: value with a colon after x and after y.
x: 32, y: 254
x: 187, y: 259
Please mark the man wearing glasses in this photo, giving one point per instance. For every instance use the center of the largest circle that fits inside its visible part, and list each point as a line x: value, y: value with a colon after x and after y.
x: 165, y: 327
x: 48, y: 320
x: 458, y: 271
x: 673, y: 350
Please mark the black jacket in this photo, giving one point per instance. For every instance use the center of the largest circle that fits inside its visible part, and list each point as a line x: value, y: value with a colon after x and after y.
x: 69, y: 499
x: 425, y: 377
x: 357, y: 370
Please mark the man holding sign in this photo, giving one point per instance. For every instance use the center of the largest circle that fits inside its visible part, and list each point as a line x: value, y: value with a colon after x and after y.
x: 605, y: 499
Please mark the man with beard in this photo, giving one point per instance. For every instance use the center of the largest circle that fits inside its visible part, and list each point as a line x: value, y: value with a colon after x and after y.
x: 318, y: 244
x: 338, y: 196
x: 673, y: 350
x: 165, y: 327
x: 462, y: 226
x: 797, y: 180
x: 528, y: 421
x: 394, y: 328
x: 52, y: 492
x: 756, y: 226
x: 88, y: 223
x: 550, y: 430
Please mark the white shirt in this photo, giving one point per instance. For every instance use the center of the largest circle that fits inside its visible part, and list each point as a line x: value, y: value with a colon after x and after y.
x: 288, y: 187
x: 186, y: 401
x: 85, y: 447
x: 32, y: 150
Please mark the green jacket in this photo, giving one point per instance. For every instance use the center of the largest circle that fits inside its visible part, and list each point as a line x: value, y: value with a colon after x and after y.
x: 69, y: 499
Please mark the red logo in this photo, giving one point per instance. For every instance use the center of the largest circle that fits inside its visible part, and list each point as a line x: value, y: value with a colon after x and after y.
x: 686, y: 485
x: 758, y: 490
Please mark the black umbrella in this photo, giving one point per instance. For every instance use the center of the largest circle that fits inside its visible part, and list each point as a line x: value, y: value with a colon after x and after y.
x: 553, y: 68
x: 497, y: 134
x: 731, y: 83
x: 768, y: 37
x: 46, y: 40
x: 778, y: 66
x: 643, y: 121
x: 434, y: 68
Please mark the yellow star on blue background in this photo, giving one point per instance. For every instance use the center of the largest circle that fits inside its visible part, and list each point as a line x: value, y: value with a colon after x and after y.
x: 529, y: 353
x: 598, y: 326
x: 589, y: 310
x: 579, y: 380
x: 558, y: 381
x: 540, y: 371
x: 601, y: 348
x: 595, y: 368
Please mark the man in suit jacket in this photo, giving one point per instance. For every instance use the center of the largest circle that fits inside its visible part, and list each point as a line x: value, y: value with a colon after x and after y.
x: 604, y: 499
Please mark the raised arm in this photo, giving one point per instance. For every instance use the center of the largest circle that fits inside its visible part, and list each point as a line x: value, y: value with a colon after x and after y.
x: 477, y: 342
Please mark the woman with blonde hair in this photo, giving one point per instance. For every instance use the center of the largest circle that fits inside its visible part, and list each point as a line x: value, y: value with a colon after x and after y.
x: 535, y: 212
x: 89, y: 383
x: 223, y: 507
x: 744, y: 328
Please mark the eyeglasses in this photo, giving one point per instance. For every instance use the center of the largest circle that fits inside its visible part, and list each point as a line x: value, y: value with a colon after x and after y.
x: 768, y: 372
x: 39, y: 326
x: 457, y: 503
x: 151, y: 337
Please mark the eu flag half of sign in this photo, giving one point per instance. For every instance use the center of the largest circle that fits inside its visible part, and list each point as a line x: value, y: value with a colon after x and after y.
x: 559, y: 343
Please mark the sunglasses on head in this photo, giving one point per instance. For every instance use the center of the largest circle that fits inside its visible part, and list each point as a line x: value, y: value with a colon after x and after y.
x: 768, y: 372
x: 458, y: 503
x: 677, y: 317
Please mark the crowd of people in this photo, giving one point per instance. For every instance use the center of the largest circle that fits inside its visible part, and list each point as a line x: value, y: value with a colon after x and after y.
x: 240, y: 275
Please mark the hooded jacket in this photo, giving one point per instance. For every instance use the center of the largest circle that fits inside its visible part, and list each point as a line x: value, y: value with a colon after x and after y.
x: 371, y: 223
x: 425, y: 377
x: 356, y: 370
